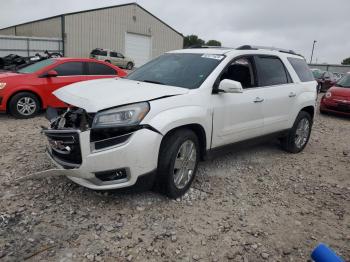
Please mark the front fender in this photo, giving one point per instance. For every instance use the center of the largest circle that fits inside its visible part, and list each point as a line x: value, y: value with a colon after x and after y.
x: 173, y: 118
x: 14, y: 90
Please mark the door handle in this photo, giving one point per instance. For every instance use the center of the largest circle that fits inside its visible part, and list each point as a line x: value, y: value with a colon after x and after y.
x: 258, y: 100
x: 292, y: 94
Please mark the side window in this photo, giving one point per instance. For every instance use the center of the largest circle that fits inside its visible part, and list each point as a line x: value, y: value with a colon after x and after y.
x: 241, y: 70
x: 271, y: 71
x: 100, y: 69
x: 70, y: 69
x: 120, y: 55
x: 114, y: 54
x: 302, y: 69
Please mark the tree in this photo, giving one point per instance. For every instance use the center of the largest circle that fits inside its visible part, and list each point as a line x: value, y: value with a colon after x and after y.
x: 213, y: 43
x: 192, y: 40
x: 346, y: 61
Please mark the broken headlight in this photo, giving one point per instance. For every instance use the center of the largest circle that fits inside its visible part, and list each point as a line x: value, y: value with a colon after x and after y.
x: 128, y: 115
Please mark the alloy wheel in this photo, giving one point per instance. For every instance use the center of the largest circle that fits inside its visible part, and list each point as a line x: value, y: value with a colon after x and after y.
x: 302, y: 132
x: 26, y: 106
x: 185, y: 164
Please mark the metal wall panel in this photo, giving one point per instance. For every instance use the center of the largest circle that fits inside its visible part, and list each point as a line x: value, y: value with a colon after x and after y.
x: 44, y: 28
x: 28, y: 46
x: 107, y: 28
x: 331, y: 68
x: 8, y: 31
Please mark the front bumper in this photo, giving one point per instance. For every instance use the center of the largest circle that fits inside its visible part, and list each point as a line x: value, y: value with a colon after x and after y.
x: 338, y: 106
x: 137, y: 156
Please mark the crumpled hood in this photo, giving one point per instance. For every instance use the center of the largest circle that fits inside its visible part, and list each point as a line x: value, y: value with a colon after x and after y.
x: 96, y: 95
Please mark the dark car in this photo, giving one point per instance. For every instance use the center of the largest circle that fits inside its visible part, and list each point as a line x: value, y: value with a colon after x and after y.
x: 325, y: 79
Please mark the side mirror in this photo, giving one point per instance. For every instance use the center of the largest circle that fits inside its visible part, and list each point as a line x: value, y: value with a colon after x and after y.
x: 230, y: 86
x: 51, y: 73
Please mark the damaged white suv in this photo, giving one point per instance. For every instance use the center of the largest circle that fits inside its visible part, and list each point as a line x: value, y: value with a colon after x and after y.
x: 154, y: 126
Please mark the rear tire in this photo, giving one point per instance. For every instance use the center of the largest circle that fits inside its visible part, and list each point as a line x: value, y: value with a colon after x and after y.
x: 107, y: 61
x: 24, y: 105
x: 129, y: 66
x: 177, y: 163
x: 299, y: 135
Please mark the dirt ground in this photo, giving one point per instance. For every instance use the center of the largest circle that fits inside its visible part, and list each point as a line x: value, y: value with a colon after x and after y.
x: 258, y: 204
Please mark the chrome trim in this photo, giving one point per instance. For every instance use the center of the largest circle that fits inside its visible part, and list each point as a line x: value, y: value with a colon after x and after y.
x: 60, y: 162
x: 94, y: 150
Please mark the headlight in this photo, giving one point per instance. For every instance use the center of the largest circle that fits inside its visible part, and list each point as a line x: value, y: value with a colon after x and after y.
x: 2, y: 85
x: 328, y: 94
x: 121, y: 116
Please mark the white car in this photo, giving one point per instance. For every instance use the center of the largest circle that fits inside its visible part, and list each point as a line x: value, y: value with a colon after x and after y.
x: 156, y: 125
x: 113, y: 57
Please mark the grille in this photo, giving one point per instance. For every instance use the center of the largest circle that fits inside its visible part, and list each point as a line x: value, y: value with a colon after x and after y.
x: 65, y: 148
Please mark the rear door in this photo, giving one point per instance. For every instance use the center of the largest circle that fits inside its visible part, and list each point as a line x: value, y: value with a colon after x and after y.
x: 96, y: 70
x: 279, y: 92
x: 115, y: 59
x: 68, y: 73
x: 238, y: 117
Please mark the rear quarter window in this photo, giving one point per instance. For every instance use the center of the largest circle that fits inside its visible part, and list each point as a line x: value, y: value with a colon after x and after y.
x: 302, y: 69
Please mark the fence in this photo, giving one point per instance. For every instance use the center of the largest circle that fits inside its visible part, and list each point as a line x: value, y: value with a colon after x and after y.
x: 331, y: 68
x: 28, y: 46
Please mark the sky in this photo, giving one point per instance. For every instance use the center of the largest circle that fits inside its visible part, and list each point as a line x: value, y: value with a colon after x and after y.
x: 289, y: 24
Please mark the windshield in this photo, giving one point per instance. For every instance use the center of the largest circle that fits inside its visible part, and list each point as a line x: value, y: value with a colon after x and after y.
x: 181, y: 70
x: 345, y: 81
x: 317, y: 73
x: 36, y: 66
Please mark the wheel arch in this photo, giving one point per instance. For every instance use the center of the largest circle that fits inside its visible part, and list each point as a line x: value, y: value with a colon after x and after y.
x: 200, y: 133
x: 310, y: 110
x: 24, y: 91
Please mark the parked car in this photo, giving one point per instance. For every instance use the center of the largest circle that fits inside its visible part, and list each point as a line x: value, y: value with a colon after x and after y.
x: 337, y: 76
x: 337, y: 98
x: 112, y: 57
x: 185, y: 105
x: 324, y: 79
x: 24, y: 92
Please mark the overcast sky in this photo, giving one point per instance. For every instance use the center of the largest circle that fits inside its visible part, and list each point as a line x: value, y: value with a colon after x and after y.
x: 290, y: 24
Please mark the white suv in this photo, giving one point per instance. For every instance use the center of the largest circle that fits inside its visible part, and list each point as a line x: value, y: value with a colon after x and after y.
x: 112, y: 57
x: 154, y: 126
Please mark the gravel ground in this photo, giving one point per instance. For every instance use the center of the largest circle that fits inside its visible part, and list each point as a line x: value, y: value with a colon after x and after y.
x: 258, y: 204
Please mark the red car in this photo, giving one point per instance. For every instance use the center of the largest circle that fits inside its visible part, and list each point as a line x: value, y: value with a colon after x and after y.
x: 337, y: 98
x: 25, y: 92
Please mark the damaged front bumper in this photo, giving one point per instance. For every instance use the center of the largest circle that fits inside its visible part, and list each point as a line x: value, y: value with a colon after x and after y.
x: 110, y: 166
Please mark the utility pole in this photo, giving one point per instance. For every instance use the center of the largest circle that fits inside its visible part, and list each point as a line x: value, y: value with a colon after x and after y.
x: 312, y: 52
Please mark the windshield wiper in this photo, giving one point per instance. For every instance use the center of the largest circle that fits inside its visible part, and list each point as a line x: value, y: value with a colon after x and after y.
x: 153, y: 82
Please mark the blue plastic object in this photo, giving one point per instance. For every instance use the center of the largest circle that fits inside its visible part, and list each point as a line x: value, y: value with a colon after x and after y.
x: 322, y: 253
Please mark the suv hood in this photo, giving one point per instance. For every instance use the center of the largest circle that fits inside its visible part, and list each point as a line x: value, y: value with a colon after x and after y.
x: 96, y: 95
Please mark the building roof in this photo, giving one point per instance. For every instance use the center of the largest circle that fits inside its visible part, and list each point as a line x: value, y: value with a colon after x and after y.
x: 95, y: 9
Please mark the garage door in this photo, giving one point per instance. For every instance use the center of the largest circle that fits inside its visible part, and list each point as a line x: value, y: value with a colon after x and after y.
x: 138, y: 47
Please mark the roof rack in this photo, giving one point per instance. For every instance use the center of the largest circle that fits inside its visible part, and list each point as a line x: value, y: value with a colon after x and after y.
x: 252, y: 47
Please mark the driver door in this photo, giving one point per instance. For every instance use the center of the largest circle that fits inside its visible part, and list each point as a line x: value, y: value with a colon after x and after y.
x: 68, y: 73
x: 238, y: 116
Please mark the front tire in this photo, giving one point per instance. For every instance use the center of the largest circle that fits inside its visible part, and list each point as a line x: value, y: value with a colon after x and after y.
x: 24, y: 105
x: 177, y: 162
x: 299, y: 135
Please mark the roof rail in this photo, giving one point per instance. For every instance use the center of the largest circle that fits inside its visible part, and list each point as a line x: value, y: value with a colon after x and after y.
x: 208, y: 46
x: 252, y: 47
